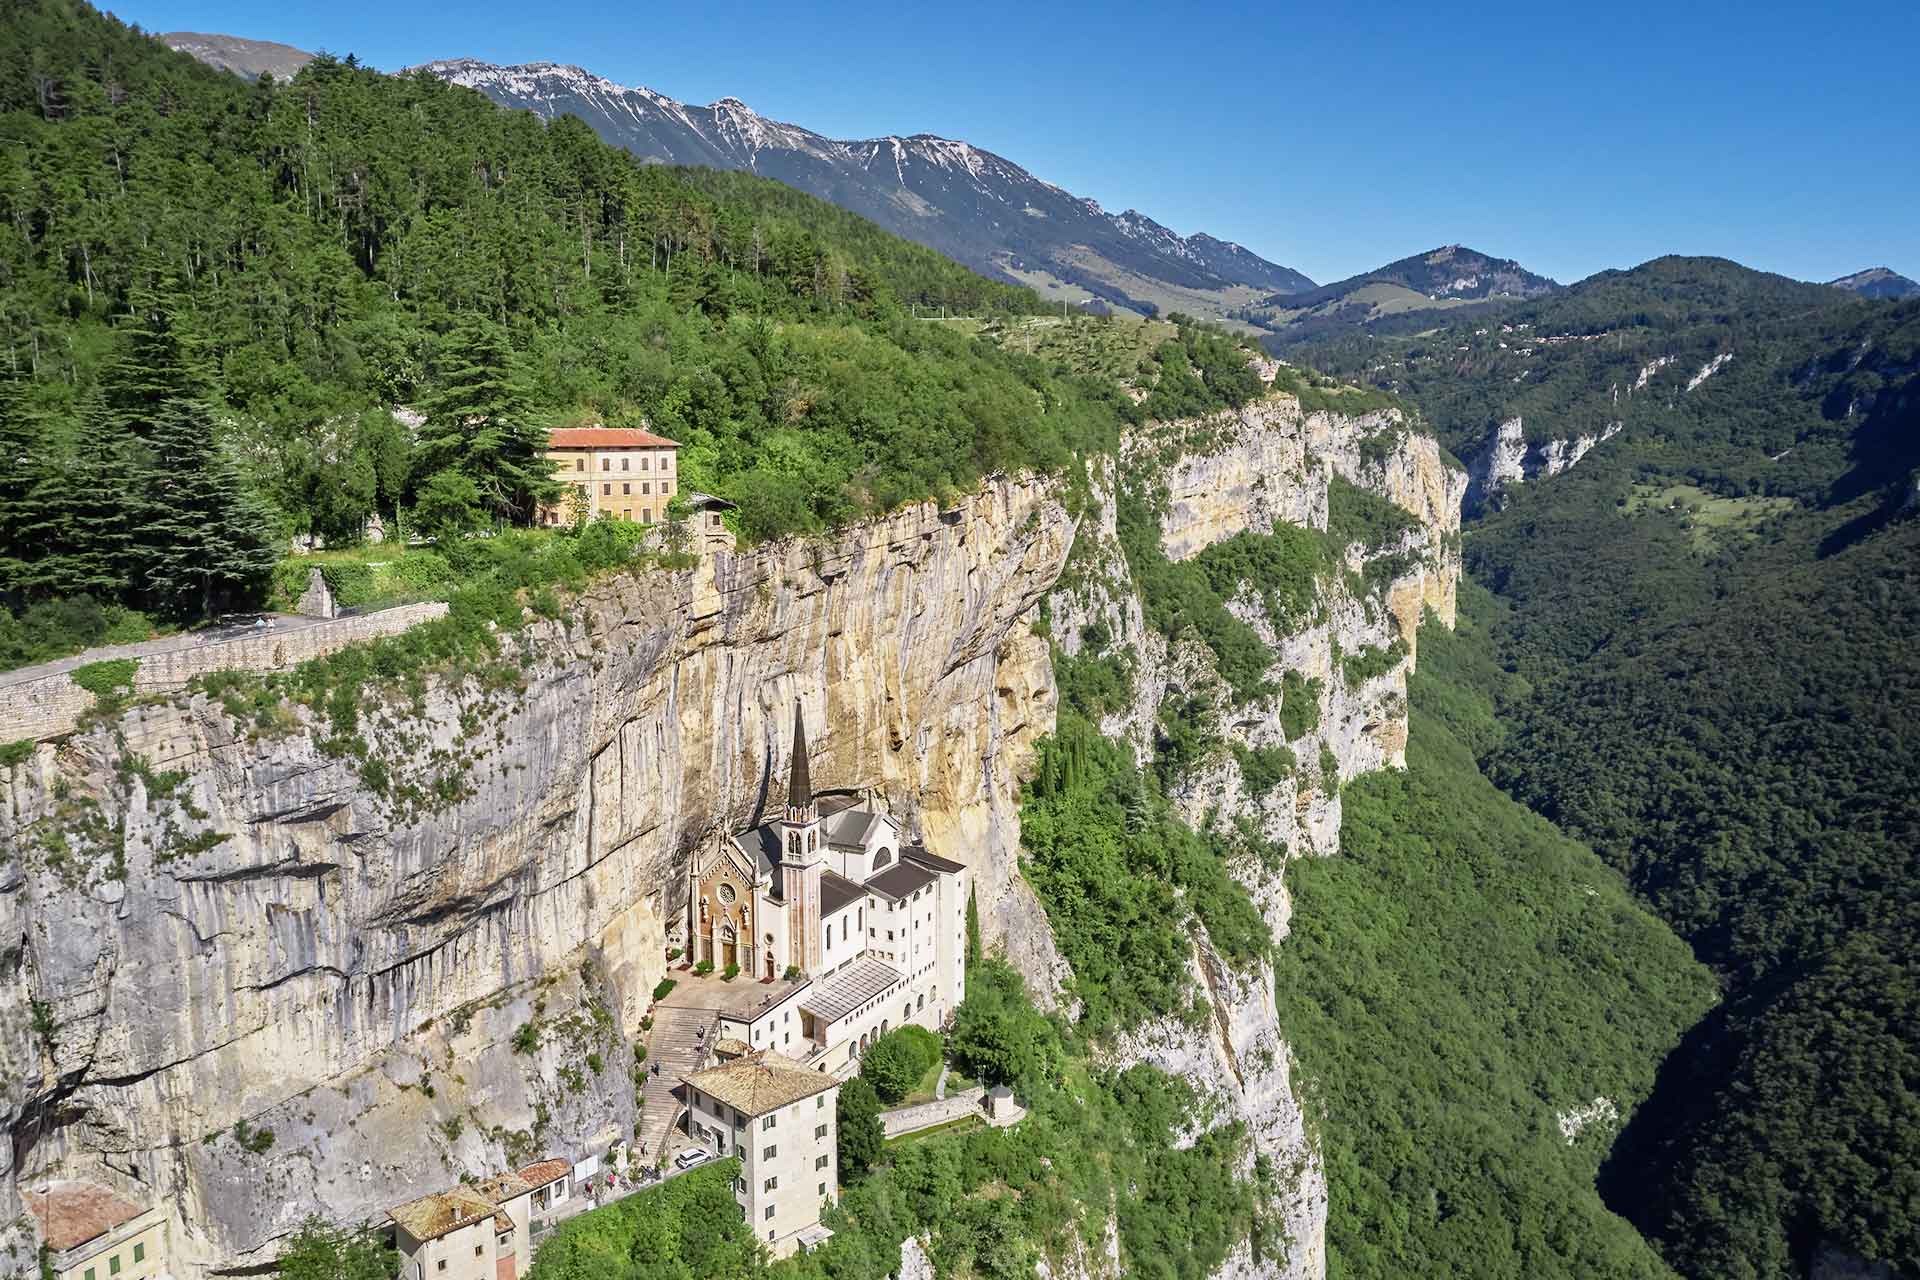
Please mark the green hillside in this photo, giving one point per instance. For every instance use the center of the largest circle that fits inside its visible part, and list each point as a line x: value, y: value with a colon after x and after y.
x: 1706, y: 630
x: 1461, y: 982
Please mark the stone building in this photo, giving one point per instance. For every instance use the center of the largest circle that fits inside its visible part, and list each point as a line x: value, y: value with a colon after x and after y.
x: 478, y: 1232
x: 95, y: 1233
x: 866, y: 930
x: 777, y: 1117
x: 621, y: 473
x: 708, y: 516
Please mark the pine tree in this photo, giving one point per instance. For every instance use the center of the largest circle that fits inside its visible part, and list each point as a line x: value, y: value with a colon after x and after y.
x: 22, y: 445
x: 478, y: 425
x: 81, y: 539
x: 207, y: 534
x: 204, y: 537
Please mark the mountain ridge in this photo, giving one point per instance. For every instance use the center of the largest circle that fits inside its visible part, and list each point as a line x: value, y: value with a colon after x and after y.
x: 1413, y: 290
x: 1435, y: 273
x: 977, y: 207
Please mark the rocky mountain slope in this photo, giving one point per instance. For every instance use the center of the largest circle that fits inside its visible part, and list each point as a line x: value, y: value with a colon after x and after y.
x: 1266, y: 466
x: 224, y: 932
x: 974, y: 206
x: 1878, y: 282
x: 1756, y: 500
x: 1408, y: 292
x: 249, y: 59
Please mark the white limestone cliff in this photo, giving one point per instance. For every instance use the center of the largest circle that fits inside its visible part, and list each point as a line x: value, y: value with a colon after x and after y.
x: 217, y: 930
x: 1508, y: 458
x: 351, y: 974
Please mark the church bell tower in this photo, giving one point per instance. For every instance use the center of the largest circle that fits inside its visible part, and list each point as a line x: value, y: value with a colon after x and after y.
x: 802, y: 859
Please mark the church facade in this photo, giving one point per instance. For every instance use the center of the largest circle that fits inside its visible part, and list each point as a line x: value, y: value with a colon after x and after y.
x: 855, y: 929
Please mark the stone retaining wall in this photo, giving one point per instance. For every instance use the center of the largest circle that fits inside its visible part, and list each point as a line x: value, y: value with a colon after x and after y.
x: 925, y: 1115
x: 51, y: 704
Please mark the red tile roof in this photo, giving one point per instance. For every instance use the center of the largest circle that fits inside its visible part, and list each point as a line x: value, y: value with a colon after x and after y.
x: 72, y: 1213
x: 541, y: 1172
x: 608, y: 438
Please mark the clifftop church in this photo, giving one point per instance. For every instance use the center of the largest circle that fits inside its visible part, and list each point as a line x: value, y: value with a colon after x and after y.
x: 869, y: 929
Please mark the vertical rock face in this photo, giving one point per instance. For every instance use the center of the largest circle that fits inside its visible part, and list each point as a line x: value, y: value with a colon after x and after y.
x: 1251, y: 470
x: 208, y: 931
x: 240, y: 980
x: 1508, y: 458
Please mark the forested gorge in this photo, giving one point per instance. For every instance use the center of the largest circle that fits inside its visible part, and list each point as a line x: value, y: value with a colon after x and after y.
x: 1704, y: 668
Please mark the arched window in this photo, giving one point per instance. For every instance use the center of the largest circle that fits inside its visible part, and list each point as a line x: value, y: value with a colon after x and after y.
x: 793, y: 842
x: 881, y: 858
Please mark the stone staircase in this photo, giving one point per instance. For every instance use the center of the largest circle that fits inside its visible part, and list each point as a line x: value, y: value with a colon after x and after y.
x: 680, y: 1043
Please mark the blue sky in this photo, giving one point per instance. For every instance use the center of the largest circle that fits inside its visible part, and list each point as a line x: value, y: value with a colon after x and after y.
x: 1571, y: 137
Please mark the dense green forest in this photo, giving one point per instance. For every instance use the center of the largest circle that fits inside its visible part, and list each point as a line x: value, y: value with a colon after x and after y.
x: 1705, y: 640
x: 1459, y: 981
x: 216, y: 291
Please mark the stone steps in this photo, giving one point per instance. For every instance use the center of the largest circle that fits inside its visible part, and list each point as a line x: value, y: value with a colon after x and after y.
x: 676, y: 1046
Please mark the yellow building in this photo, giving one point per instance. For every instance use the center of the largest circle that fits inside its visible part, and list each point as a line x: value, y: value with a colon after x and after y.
x: 95, y: 1233
x: 621, y: 473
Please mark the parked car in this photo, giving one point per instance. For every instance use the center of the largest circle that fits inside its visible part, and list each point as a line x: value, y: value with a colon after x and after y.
x: 690, y: 1158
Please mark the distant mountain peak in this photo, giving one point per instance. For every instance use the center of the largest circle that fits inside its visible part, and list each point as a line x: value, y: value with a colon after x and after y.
x: 1878, y: 282
x: 249, y: 59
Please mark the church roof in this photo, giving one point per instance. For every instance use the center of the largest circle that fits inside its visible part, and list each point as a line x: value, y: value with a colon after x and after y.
x: 837, y: 893
x: 901, y: 879
x: 850, y: 988
x: 850, y: 826
x: 762, y: 844
x: 761, y: 1081
x: 800, y: 785
x: 918, y: 853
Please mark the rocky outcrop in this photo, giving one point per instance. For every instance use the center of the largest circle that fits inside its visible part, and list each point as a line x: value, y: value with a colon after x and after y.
x: 216, y: 932
x: 1252, y: 470
x: 1509, y: 458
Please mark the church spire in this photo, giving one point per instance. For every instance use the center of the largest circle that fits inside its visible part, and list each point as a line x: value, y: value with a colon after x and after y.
x: 800, y: 787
